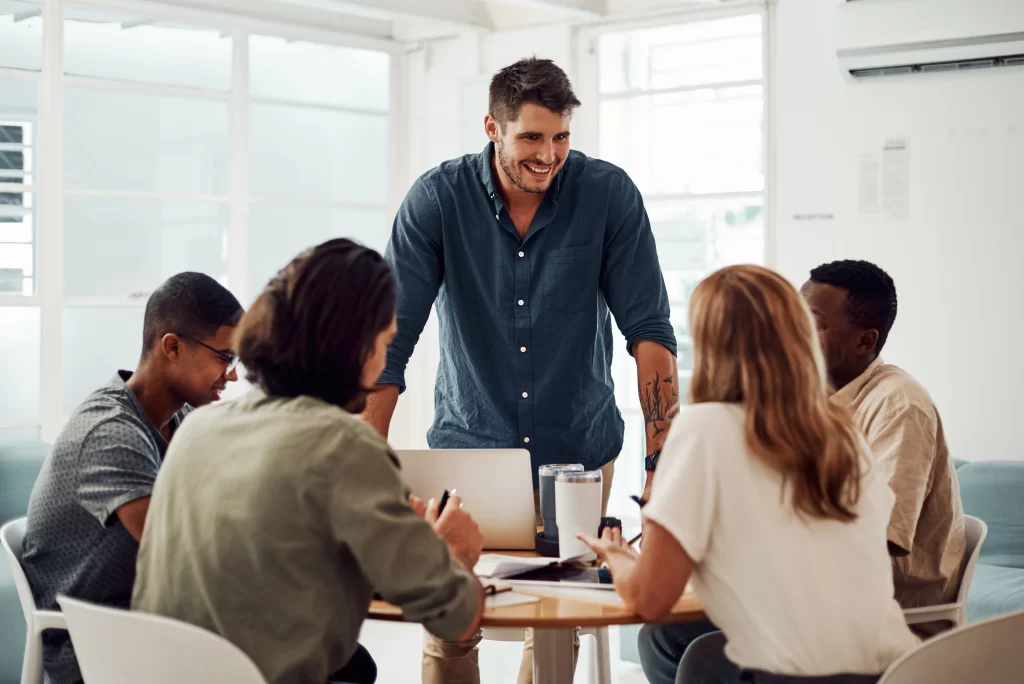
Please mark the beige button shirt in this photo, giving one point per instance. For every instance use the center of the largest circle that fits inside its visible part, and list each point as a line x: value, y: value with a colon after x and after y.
x: 904, y: 430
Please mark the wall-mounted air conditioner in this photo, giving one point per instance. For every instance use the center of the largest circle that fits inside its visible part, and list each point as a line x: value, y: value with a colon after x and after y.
x: 900, y: 37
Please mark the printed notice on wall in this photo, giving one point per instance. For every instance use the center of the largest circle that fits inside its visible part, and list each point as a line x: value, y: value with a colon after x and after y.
x: 870, y: 200
x: 896, y: 178
x: 885, y: 181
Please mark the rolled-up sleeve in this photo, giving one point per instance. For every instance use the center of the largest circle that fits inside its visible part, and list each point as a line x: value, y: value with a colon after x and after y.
x: 415, y: 253
x: 117, y: 464
x: 398, y: 552
x: 904, y: 447
x: 631, y: 278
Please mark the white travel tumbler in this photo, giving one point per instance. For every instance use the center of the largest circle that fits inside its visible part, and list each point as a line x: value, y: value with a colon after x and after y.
x: 577, y: 510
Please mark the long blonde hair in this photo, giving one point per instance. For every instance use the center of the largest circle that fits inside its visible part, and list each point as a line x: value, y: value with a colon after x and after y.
x: 755, y: 344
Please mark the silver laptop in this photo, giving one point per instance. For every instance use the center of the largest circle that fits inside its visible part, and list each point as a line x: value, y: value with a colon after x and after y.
x: 496, y: 487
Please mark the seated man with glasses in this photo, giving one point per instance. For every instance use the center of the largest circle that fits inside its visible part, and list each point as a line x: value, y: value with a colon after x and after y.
x: 89, y: 505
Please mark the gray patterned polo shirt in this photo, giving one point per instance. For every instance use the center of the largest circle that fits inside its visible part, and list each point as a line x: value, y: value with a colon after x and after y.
x: 107, y: 455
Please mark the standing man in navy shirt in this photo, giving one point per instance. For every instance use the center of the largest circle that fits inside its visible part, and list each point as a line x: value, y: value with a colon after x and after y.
x: 526, y: 249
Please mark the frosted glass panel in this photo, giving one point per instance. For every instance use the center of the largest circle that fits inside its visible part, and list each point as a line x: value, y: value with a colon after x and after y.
x: 693, y: 53
x: 319, y: 74
x: 121, y: 247
x: 97, y: 343
x: 19, y: 363
x: 313, y: 154
x: 128, y: 141
x: 277, y: 233
x: 133, y: 49
x: 21, y: 35
x: 707, y: 140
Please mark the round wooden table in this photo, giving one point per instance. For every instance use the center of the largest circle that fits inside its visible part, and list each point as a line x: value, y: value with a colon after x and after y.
x: 553, y: 621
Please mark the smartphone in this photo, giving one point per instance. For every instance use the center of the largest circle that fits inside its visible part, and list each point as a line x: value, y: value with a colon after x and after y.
x: 444, y: 501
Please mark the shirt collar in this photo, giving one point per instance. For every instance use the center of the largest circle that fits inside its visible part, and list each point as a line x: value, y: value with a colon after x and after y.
x: 849, y: 393
x: 485, y: 169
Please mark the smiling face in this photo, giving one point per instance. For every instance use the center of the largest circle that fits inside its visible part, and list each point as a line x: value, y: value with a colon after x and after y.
x: 200, y: 373
x: 531, y: 149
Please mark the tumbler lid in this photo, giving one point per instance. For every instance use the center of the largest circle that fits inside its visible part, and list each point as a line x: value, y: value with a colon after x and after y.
x: 578, y: 477
x: 555, y: 468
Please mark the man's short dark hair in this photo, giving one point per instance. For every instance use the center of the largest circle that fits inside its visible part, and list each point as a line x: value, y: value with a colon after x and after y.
x: 311, y: 329
x: 530, y: 81
x: 871, y: 300
x: 192, y: 304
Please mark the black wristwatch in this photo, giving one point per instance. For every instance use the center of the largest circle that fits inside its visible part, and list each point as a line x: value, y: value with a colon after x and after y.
x: 651, y: 462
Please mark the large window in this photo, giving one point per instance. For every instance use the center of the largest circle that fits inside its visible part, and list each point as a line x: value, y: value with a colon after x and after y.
x: 318, y: 156
x: 21, y: 58
x: 145, y: 179
x: 170, y: 145
x: 680, y: 108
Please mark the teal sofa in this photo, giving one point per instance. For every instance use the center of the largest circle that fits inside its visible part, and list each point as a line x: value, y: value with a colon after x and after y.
x: 994, y: 492
x: 19, y: 466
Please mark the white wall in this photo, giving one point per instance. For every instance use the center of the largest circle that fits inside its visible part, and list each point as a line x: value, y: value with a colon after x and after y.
x: 956, y: 257
x: 446, y: 96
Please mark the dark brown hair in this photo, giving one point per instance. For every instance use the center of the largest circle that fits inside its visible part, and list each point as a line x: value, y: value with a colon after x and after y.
x: 315, y: 323
x: 191, y: 304
x: 530, y: 81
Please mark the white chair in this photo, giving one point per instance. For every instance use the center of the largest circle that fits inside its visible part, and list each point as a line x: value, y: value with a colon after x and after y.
x: 975, y: 531
x: 36, y: 620
x: 986, y: 652
x: 602, y: 650
x: 116, y: 646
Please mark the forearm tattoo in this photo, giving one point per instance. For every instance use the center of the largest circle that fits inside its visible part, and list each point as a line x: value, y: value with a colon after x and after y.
x: 658, y: 400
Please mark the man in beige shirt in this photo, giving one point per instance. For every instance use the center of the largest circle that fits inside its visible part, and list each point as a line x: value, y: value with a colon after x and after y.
x: 854, y: 306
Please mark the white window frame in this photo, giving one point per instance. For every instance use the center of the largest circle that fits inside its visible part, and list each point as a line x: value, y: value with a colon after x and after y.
x: 586, y: 128
x: 49, y: 155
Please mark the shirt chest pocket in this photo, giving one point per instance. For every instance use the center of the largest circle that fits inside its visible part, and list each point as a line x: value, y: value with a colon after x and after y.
x: 568, y: 282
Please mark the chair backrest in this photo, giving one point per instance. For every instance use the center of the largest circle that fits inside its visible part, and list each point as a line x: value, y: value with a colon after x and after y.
x: 122, y: 647
x: 986, y: 651
x: 11, y: 535
x: 975, y: 531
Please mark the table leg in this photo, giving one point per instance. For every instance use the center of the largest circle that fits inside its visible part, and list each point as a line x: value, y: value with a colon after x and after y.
x: 552, y: 656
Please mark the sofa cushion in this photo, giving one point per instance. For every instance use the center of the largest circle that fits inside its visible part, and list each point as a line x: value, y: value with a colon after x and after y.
x: 992, y: 491
x: 20, y: 463
x: 19, y: 466
x: 995, y: 590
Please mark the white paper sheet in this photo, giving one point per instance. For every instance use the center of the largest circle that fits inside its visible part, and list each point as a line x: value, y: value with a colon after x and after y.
x: 599, y: 596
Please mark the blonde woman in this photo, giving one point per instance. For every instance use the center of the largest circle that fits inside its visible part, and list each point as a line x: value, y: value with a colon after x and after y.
x: 765, y: 499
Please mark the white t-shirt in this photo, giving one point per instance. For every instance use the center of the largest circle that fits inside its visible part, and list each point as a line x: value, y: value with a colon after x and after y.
x: 794, y: 595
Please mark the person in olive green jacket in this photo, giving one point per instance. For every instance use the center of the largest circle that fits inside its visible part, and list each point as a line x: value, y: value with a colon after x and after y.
x: 278, y: 515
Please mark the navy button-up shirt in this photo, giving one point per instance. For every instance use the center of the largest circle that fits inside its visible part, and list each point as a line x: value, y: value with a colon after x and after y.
x: 526, y: 339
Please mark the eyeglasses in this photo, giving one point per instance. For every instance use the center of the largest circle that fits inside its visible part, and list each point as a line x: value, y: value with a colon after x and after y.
x: 230, y: 359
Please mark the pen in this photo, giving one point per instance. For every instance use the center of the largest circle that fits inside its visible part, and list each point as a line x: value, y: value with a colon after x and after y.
x: 641, y: 503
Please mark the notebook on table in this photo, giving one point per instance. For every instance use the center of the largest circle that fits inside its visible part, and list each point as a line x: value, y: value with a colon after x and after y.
x: 554, y: 572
